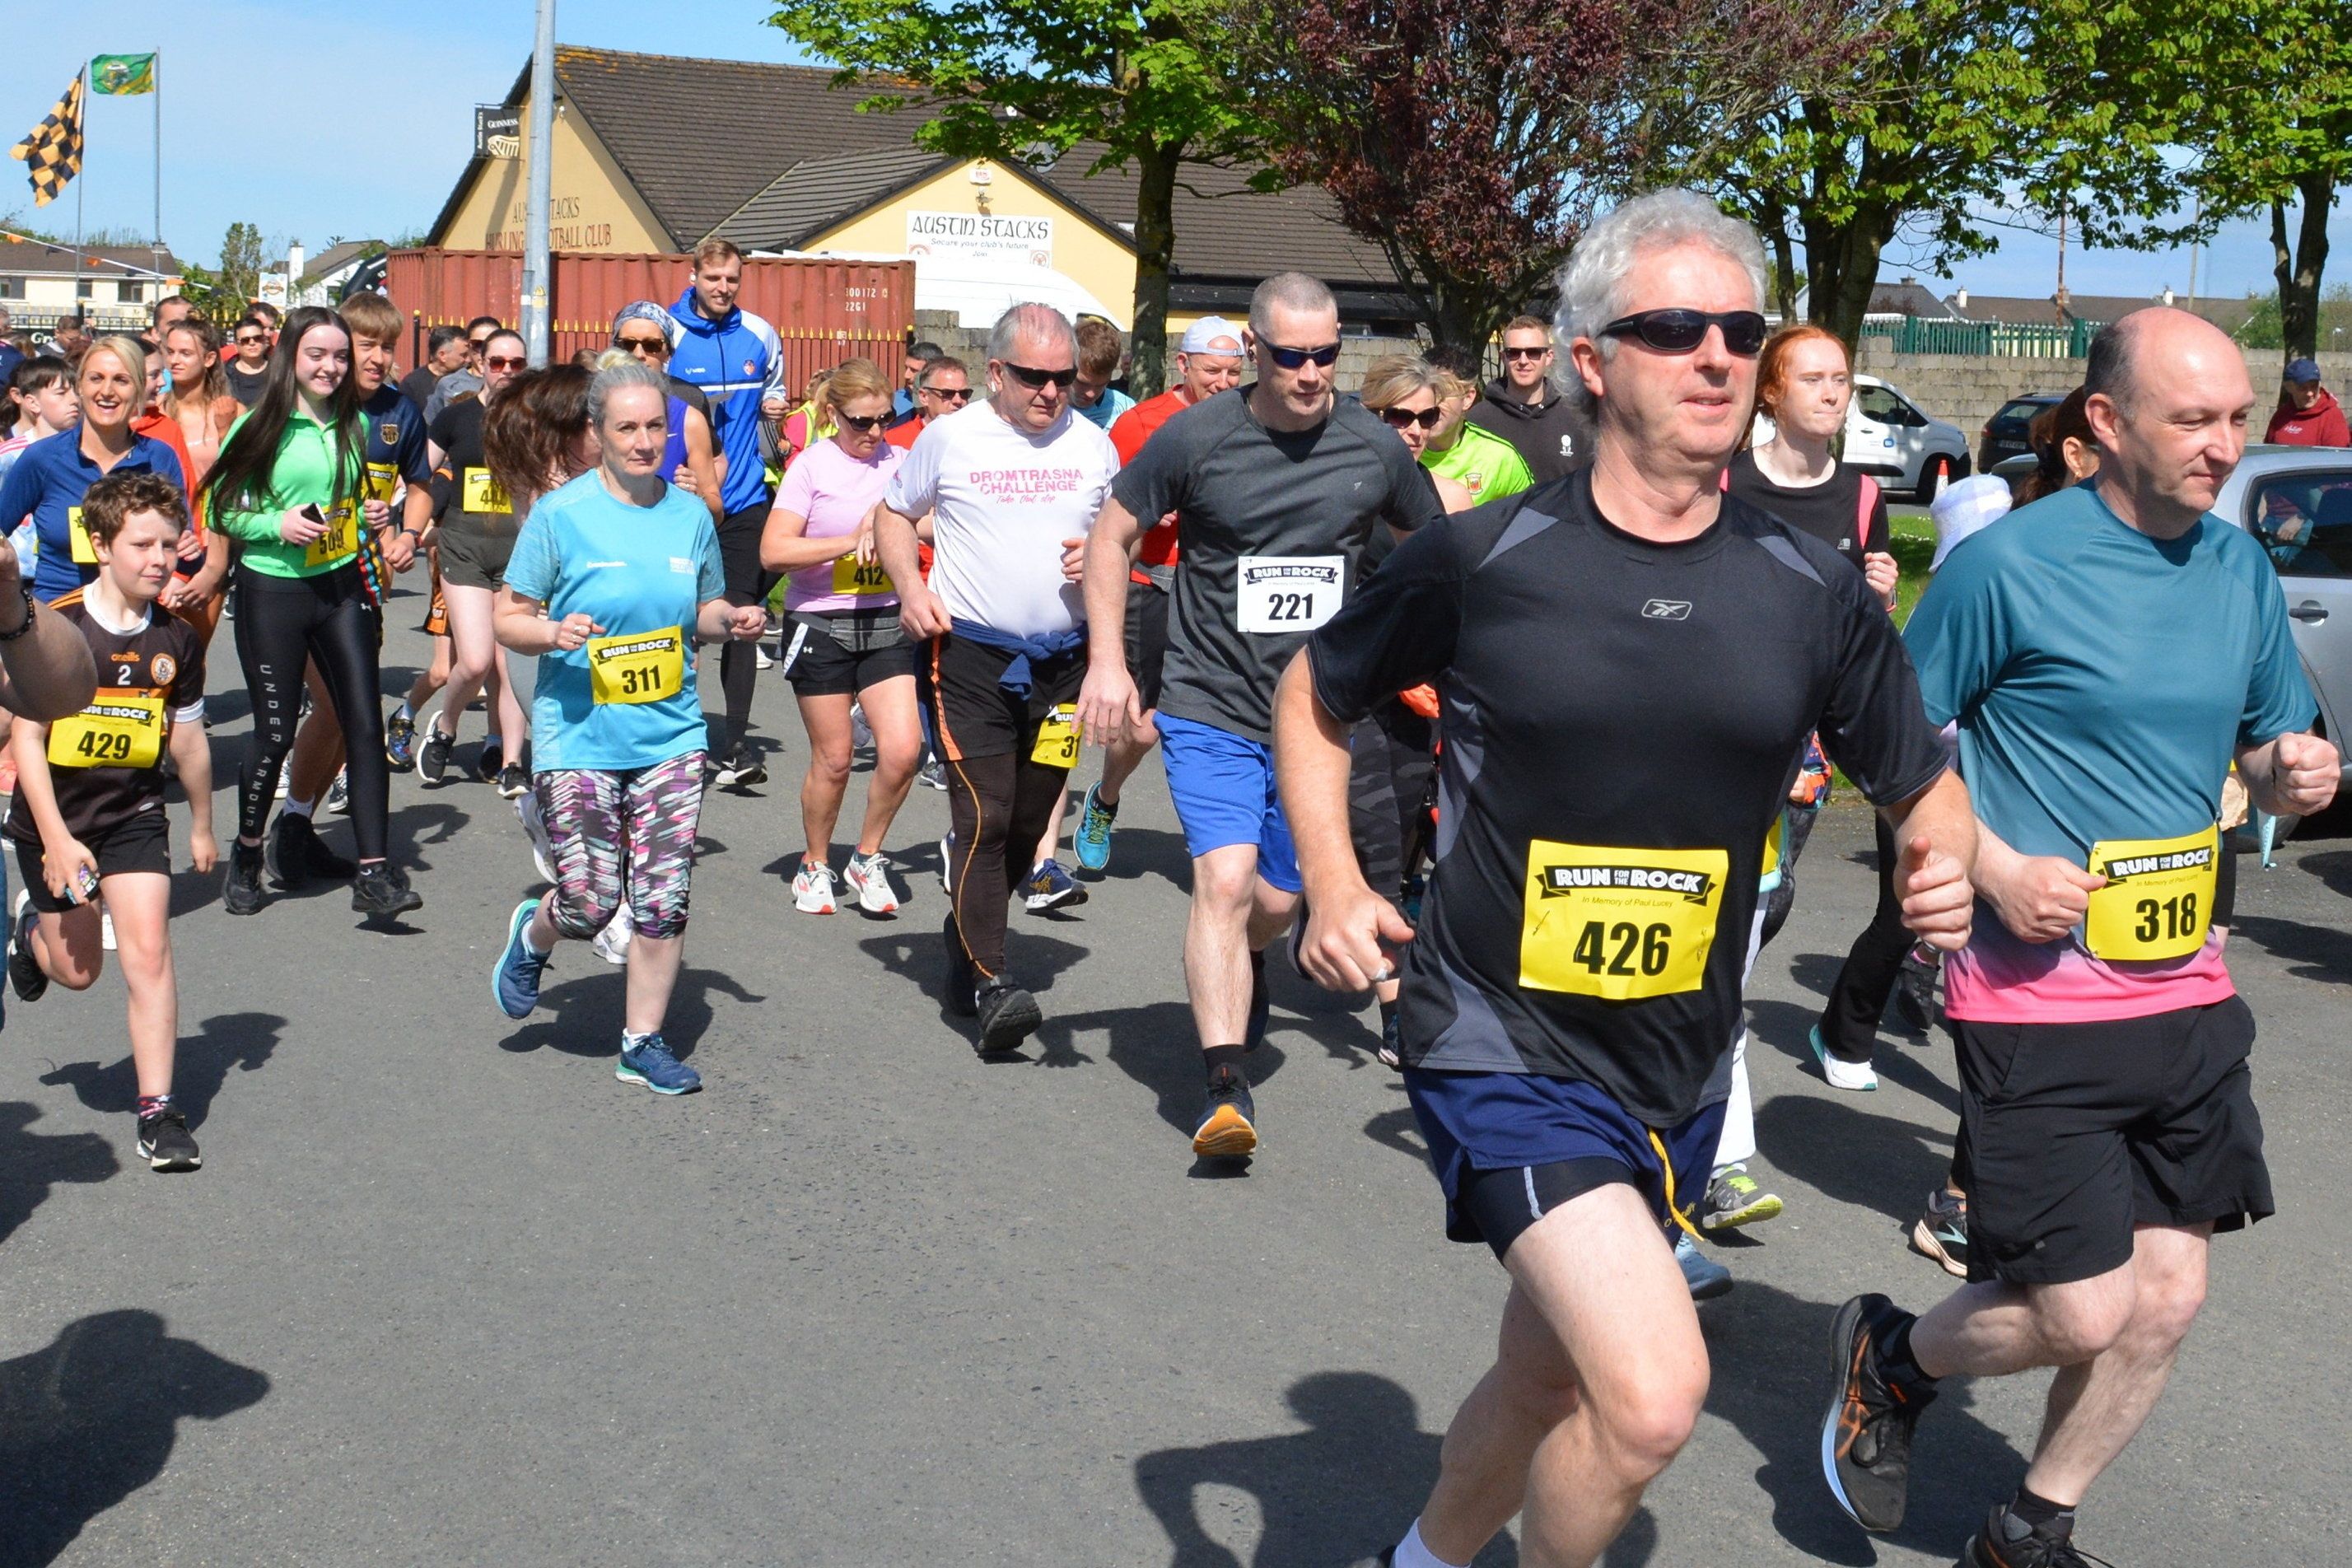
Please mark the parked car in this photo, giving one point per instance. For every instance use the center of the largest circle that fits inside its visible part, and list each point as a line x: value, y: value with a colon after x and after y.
x: 2298, y: 502
x: 2004, y: 432
x: 1889, y: 439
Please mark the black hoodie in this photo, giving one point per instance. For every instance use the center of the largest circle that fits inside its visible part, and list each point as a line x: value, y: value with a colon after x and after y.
x: 1551, y: 435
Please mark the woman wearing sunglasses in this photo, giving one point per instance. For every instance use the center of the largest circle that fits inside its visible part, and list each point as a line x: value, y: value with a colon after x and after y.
x: 845, y: 644
x: 691, y: 458
x: 1409, y: 395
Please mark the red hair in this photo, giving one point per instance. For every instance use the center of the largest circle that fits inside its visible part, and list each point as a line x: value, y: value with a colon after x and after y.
x: 1772, y: 369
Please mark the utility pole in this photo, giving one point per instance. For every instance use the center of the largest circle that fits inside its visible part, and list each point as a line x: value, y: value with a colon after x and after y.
x: 537, y: 271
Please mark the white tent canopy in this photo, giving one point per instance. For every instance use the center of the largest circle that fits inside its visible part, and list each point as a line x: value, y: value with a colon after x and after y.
x: 979, y: 289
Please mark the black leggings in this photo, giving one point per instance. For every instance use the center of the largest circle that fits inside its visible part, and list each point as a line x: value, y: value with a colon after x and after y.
x: 1857, y: 997
x: 747, y: 584
x: 283, y: 624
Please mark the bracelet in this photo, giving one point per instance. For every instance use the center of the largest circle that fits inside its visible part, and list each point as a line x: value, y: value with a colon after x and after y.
x: 27, y: 626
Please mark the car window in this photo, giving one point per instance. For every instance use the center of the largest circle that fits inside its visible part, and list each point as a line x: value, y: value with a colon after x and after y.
x: 1879, y: 404
x: 2020, y: 409
x: 2305, y: 522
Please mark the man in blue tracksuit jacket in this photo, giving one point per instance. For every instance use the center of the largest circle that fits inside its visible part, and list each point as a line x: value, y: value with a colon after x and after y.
x: 739, y: 363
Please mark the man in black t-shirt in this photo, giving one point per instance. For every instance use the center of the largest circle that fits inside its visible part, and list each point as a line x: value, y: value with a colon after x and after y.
x: 250, y: 368
x: 1628, y: 663
x: 1278, y: 490
x: 447, y: 351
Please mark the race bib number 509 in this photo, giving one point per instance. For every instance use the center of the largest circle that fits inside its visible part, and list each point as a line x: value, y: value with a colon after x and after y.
x: 1287, y: 592
x: 1619, y: 924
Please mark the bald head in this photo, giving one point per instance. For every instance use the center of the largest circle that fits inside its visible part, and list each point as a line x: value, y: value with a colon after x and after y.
x: 2166, y: 396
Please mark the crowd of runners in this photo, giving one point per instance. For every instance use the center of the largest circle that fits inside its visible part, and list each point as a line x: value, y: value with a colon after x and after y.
x: 1406, y: 651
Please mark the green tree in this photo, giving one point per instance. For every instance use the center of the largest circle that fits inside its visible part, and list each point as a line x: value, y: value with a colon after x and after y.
x: 223, y: 292
x: 997, y: 77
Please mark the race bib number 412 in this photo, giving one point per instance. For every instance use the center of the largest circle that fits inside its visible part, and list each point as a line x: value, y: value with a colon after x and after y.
x: 1287, y: 592
x: 1619, y: 924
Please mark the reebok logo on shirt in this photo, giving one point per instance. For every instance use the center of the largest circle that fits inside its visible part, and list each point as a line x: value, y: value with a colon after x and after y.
x: 1666, y: 610
x: 1558, y: 881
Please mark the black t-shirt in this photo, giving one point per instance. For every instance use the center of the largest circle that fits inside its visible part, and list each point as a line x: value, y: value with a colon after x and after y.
x: 418, y: 383
x: 1831, y: 511
x: 243, y: 386
x: 1300, y: 505
x: 149, y: 678
x: 466, y: 497
x: 1622, y: 722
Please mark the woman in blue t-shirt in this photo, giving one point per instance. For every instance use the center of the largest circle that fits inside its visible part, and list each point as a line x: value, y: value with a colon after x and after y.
x: 613, y: 579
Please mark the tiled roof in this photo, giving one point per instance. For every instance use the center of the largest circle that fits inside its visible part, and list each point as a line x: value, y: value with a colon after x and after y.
x: 814, y: 196
x: 1908, y: 297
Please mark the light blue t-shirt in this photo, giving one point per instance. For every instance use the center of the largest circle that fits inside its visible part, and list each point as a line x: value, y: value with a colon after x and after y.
x: 1105, y: 410
x: 633, y: 570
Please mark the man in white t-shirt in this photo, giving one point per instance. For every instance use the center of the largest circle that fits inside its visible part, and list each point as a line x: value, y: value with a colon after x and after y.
x: 1011, y: 486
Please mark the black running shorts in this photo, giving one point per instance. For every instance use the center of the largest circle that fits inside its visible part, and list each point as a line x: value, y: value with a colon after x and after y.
x: 141, y: 843
x: 2072, y: 1133
x: 1147, y: 639
x: 820, y: 664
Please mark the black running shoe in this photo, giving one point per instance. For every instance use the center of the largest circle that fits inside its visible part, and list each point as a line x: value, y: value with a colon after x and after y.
x: 490, y: 761
x: 25, y: 975
x: 241, y: 890
x: 1008, y: 1015
x: 1228, y: 1126
x: 433, y: 758
x: 963, y: 981
x: 1915, y: 994
x: 1995, y: 1547
x: 295, y: 853
x: 740, y: 769
x: 1866, y: 1435
x: 382, y: 888
x: 513, y: 783
x: 1261, y: 1004
x: 165, y: 1144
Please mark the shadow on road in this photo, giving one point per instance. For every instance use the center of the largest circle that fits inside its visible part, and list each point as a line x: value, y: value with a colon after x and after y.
x: 240, y: 1040
x: 586, y: 1011
x: 2333, y: 867
x: 1345, y: 1489
x: 93, y: 1418
x: 32, y: 1163
x: 1900, y: 1059
x: 1854, y: 1154
x: 2318, y: 953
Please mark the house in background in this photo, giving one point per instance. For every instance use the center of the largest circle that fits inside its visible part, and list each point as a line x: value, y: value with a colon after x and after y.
x: 115, y: 288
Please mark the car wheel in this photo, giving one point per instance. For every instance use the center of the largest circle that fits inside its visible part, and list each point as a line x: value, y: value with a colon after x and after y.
x: 1935, y: 475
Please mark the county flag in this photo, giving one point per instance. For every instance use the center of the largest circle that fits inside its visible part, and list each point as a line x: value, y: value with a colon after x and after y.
x: 51, y: 150
x: 122, y: 76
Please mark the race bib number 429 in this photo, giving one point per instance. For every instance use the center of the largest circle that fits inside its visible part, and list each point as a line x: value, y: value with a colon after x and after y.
x: 1287, y: 592
x: 1619, y: 924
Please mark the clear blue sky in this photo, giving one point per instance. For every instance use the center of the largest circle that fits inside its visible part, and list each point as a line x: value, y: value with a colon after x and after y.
x: 258, y: 123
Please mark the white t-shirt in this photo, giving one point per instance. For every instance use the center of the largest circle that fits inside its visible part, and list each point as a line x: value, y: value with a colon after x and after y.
x: 1003, y: 500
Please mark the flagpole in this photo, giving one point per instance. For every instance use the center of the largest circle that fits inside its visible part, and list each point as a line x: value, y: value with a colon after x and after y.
x: 81, y: 185
x: 155, y: 76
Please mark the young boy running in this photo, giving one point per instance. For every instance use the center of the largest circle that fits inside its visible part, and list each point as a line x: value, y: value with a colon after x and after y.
x: 88, y: 818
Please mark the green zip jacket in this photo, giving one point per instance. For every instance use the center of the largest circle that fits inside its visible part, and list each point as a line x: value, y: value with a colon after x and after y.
x: 304, y: 473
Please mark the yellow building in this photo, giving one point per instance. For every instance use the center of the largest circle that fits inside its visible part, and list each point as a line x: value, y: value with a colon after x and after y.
x: 655, y: 153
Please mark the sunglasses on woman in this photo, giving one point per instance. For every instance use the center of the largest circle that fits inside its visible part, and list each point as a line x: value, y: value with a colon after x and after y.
x: 500, y: 362
x: 1033, y: 378
x: 655, y: 344
x: 864, y: 424
x: 1677, y: 331
x: 1406, y: 418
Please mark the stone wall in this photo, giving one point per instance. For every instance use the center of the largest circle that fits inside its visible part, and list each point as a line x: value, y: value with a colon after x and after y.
x: 970, y: 344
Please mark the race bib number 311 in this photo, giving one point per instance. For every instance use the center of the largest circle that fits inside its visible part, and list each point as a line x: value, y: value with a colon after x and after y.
x: 636, y: 666
x: 1287, y: 592
x: 2158, y: 901
x: 1619, y: 924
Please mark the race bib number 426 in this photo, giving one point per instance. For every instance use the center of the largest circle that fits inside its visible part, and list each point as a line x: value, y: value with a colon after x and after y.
x: 1287, y: 592
x: 1619, y: 924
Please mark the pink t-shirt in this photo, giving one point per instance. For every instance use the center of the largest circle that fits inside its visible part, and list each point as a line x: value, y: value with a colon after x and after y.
x: 835, y: 491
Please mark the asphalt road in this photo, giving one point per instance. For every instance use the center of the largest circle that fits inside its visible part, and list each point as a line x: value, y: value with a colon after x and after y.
x: 446, y: 1292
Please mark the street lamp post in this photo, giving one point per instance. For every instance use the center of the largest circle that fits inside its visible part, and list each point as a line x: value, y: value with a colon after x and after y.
x: 536, y: 265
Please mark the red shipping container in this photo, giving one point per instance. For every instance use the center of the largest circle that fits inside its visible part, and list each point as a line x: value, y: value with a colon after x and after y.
x: 826, y: 311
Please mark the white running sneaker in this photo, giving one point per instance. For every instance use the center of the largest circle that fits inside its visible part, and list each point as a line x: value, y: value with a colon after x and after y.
x: 612, y: 943
x: 861, y: 734
x: 946, y: 861
x: 543, y: 849
x: 1860, y: 1077
x: 813, y: 889
x: 868, y: 876
x: 106, y: 930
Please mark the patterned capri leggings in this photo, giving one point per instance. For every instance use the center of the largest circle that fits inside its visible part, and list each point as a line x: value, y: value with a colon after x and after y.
x: 622, y: 833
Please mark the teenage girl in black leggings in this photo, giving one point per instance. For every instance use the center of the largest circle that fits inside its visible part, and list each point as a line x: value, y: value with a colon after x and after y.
x: 288, y: 490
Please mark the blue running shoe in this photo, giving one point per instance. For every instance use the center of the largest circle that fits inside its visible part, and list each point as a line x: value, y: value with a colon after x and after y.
x: 1706, y: 1277
x: 1228, y: 1126
x: 646, y: 1060
x: 515, y: 981
x: 1093, y: 839
x: 1048, y: 887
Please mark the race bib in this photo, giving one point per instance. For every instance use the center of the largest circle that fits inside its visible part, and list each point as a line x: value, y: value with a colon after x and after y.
x: 383, y: 480
x: 340, y: 540
x: 483, y: 493
x: 1057, y: 739
x: 637, y: 667
x: 2158, y: 901
x: 1287, y: 592
x: 121, y: 731
x: 1619, y: 924
x: 84, y: 554
x: 859, y: 582
x: 1772, y: 850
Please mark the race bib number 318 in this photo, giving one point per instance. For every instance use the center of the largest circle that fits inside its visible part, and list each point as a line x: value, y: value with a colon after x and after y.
x: 1287, y: 592
x: 1619, y: 924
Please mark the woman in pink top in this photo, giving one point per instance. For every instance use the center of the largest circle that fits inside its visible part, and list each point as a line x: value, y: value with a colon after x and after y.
x: 846, y: 645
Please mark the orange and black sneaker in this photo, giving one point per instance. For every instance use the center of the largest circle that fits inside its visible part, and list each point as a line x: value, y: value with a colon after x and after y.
x: 1866, y: 1435
x: 1228, y: 1126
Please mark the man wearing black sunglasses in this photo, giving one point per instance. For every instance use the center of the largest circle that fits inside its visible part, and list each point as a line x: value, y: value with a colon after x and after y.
x: 1277, y: 490
x: 1525, y: 406
x: 1628, y: 663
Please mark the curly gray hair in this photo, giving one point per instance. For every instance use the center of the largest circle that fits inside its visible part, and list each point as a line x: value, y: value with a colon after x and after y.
x: 1593, y: 277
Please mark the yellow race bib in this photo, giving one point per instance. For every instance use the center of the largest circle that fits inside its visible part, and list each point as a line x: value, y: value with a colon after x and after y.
x: 115, y: 731
x: 1772, y: 846
x: 340, y: 540
x: 383, y: 480
x: 2158, y: 901
x: 1619, y: 924
x: 85, y: 552
x: 637, y: 667
x: 483, y: 493
x: 1057, y: 738
x: 859, y: 582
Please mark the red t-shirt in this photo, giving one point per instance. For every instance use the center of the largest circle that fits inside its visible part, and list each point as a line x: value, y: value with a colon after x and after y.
x: 903, y: 438
x: 1129, y: 432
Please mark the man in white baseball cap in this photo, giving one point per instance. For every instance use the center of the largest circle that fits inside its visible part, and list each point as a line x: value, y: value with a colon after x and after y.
x: 1964, y: 508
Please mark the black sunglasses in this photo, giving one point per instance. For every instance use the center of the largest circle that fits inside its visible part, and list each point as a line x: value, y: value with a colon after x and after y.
x: 864, y: 424
x: 1526, y: 354
x: 1678, y: 332
x: 655, y: 344
x: 1291, y: 359
x: 1405, y: 418
x: 953, y: 394
x: 1033, y: 378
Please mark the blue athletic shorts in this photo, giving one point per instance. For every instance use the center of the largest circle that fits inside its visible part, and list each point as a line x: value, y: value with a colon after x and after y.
x: 1509, y: 1148
x: 1223, y: 787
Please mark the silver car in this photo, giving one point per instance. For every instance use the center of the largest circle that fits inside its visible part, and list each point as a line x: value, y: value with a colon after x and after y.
x: 2298, y: 502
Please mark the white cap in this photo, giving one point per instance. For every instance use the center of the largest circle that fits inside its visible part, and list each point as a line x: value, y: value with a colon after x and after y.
x: 1964, y: 508
x: 1211, y: 335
